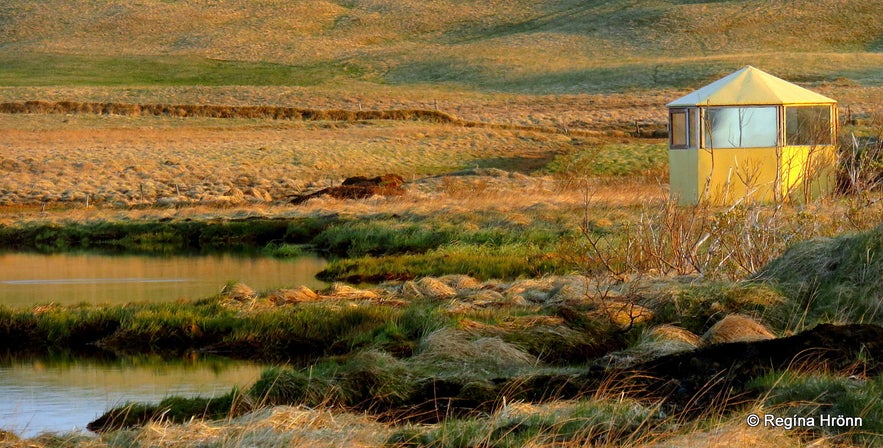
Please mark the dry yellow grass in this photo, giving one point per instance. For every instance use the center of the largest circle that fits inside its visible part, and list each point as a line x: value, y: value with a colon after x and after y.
x: 125, y: 161
x: 736, y: 328
x: 735, y: 433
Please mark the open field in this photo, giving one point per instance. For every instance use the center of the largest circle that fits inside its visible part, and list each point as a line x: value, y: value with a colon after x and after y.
x: 532, y: 285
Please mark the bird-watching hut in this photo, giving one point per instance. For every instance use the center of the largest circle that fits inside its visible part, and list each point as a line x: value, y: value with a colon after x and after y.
x: 751, y: 136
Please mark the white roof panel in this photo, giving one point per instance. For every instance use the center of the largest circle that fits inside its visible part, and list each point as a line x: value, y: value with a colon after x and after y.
x: 750, y: 86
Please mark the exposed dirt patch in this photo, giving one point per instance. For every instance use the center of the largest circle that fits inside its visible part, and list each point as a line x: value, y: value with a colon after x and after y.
x: 359, y: 187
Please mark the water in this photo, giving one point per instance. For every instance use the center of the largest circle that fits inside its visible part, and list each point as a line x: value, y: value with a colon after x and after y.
x: 39, y: 396
x: 28, y: 279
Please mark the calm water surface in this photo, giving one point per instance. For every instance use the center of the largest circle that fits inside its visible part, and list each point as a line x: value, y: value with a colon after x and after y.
x: 28, y: 279
x: 39, y: 396
x: 59, y: 397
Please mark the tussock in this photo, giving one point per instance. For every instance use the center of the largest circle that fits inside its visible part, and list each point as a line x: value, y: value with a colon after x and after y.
x: 531, y: 290
x: 342, y: 291
x: 239, y: 292
x: 295, y: 295
x: 838, y: 278
x: 624, y: 314
x: 456, y: 352
x: 434, y: 289
x: 736, y: 328
x: 658, y: 341
x: 674, y: 335
x: 486, y: 297
x: 461, y: 282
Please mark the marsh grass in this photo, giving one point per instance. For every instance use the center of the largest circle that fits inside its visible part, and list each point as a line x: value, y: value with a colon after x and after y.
x: 589, y: 74
x: 813, y: 395
x: 598, y: 422
x: 837, y: 279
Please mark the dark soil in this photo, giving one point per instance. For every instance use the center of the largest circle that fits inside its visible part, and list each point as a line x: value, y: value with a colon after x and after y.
x: 687, y: 383
x: 359, y: 187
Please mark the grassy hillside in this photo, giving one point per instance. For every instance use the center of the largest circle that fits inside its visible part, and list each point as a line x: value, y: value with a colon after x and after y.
x: 547, y: 47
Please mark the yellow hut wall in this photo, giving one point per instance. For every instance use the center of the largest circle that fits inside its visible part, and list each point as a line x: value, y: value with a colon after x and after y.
x: 683, y: 171
x: 724, y: 176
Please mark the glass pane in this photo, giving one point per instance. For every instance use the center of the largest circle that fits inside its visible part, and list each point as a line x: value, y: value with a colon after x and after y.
x: 810, y: 125
x: 678, y: 134
x: 741, y: 127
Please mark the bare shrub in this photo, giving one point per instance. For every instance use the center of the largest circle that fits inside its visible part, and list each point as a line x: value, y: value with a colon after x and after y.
x: 861, y: 165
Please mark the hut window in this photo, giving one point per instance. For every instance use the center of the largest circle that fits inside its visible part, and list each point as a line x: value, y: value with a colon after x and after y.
x: 808, y: 125
x: 682, y: 122
x: 741, y: 127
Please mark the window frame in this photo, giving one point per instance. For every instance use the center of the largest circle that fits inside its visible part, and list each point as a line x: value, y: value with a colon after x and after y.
x: 688, y: 136
x: 789, y: 135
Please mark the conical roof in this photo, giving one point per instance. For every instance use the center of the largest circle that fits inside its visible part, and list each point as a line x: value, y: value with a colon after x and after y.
x: 750, y: 86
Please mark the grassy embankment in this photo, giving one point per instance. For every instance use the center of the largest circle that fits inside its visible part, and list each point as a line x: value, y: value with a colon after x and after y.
x: 393, y: 351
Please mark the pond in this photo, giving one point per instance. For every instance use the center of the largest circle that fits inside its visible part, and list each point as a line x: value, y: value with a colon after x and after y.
x: 40, y: 396
x: 28, y: 279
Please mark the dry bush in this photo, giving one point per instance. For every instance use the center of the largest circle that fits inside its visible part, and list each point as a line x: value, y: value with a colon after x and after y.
x: 714, y: 242
x: 861, y: 164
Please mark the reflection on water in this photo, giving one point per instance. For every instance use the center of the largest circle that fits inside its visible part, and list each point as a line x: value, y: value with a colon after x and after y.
x: 27, y: 279
x: 39, y: 396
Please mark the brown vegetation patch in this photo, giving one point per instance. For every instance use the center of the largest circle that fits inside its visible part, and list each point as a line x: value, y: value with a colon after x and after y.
x: 359, y: 187
x: 212, y: 111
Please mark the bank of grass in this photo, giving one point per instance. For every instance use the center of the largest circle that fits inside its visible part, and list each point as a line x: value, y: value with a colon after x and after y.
x: 836, y: 279
x: 174, y: 329
x: 485, y: 246
x: 390, y: 360
x: 154, y: 237
x: 484, y: 262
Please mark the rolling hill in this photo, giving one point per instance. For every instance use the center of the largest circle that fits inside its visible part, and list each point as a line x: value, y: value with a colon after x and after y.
x: 534, y: 47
